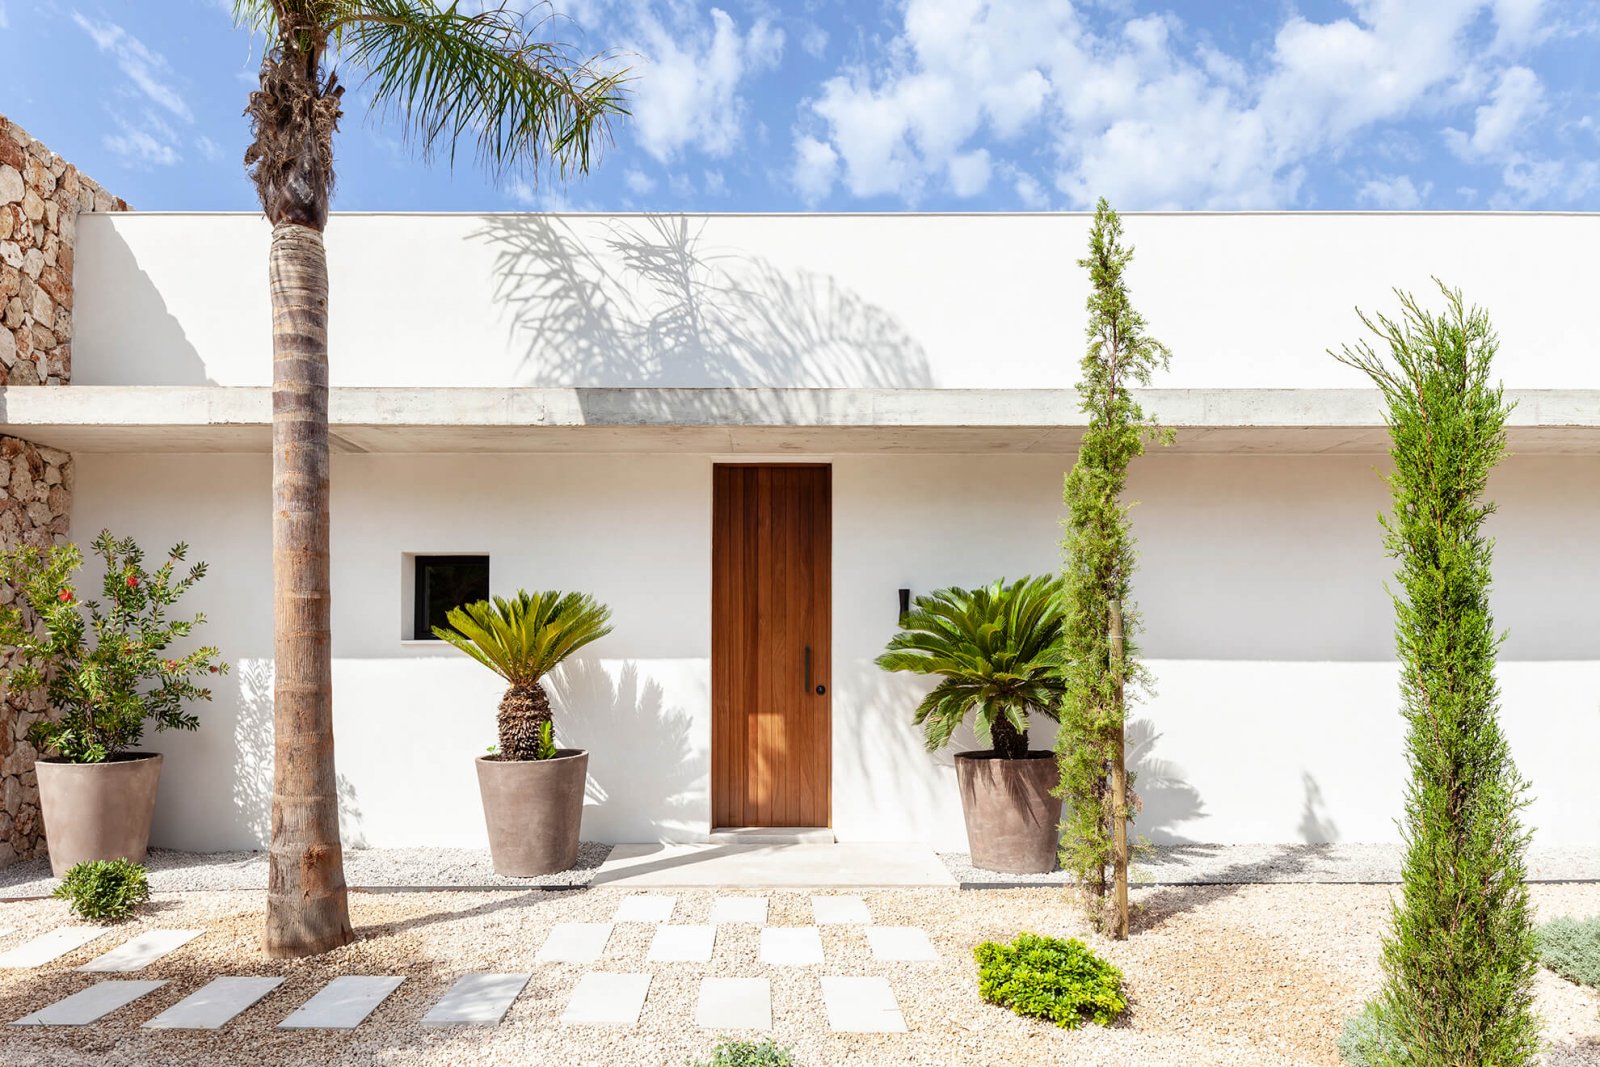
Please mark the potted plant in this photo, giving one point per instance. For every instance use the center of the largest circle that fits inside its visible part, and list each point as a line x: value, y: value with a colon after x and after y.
x: 532, y: 791
x: 998, y: 650
x: 106, y: 670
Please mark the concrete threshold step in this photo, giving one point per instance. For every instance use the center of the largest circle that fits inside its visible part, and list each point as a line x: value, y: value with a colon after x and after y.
x: 772, y: 835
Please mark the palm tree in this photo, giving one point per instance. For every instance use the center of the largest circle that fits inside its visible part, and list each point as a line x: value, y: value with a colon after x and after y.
x: 447, y: 75
x: 998, y: 650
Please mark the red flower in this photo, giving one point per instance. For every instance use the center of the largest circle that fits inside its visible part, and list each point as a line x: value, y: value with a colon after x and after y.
x: 133, y: 583
x: 66, y: 596
x: 170, y: 665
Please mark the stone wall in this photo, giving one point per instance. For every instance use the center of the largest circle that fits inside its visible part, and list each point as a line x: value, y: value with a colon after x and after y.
x: 41, y: 196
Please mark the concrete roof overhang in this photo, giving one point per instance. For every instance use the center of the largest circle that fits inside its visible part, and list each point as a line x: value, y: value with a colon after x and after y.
x: 742, y: 421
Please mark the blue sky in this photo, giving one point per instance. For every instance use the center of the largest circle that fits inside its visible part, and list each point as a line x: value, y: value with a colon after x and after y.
x: 936, y: 105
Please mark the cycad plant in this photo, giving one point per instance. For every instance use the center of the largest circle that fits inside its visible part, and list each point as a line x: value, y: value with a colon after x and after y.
x: 522, y: 640
x: 998, y: 649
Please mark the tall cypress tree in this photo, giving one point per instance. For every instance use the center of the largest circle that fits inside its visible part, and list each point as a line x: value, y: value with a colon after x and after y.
x: 1100, y: 656
x: 1459, y: 961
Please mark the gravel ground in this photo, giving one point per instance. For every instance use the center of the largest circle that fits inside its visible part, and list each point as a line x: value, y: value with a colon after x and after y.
x: 1280, y: 864
x: 172, y: 871
x: 1250, y: 975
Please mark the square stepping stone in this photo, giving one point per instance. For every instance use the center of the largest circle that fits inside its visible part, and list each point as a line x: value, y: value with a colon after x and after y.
x: 734, y: 1004
x: 481, y: 999
x: 900, y: 943
x: 791, y: 946
x: 644, y: 909
x: 861, y: 1006
x: 141, y: 951
x: 739, y: 910
x: 87, y: 1005
x: 574, y: 943
x: 683, y: 944
x: 343, y: 1003
x: 833, y: 911
x: 51, y: 946
x: 214, y: 1004
x: 603, y: 999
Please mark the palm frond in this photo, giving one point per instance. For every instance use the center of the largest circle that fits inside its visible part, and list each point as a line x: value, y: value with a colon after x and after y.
x: 526, y: 637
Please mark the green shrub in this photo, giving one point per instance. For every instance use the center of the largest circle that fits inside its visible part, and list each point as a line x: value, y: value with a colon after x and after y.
x: 104, y: 889
x: 1048, y: 978
x: 748, y: 1054
x: 1571, y: 948
x: 1368, y: 1041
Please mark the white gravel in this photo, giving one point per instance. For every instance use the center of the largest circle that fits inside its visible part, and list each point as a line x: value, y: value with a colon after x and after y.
x: 364, y: 868
x: 1277, y: 864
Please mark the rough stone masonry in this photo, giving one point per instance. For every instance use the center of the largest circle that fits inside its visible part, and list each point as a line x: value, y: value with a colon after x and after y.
x: 41, y: 196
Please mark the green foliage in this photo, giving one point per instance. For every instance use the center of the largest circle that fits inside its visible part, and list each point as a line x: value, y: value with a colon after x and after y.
x: 1571, y: 948
x: 546, y: 748
x: 524, y: 638
x: 998, y: 650
x: 1368, y: 1041
x: 1098, y: 562
x: 105, y: 668
x: 1459, y: 962
x: 748, y: 1054
x: 104, y: 889
x: 1048, y: 978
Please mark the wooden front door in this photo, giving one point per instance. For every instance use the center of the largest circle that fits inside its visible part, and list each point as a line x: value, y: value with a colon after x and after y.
x: 771, y: 596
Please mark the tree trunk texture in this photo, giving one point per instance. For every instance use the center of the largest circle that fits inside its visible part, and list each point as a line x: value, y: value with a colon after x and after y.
x: 307, y: 910
x: 523, y: 711
x: 1008, y: 741
x: 1119, y: 785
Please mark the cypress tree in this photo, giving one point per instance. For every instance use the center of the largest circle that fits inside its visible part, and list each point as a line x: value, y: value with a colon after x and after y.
x: 1100, y: 656
x: 1459, y: 959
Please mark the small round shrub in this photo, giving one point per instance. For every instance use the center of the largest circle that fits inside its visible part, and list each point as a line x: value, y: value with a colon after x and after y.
x: 1366, y: 1041
x: 1571, y: 948
x: 748, y: 1054
x: 104, y: 889
x: 1048, y: 978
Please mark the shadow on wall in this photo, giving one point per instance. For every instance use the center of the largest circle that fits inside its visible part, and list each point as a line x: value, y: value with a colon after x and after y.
x: 645, y: 304
x: 644, y: 778
x: 253, y: 756
x: 1167, y: 800
x: 1316, y: 827
x: 131, y: 337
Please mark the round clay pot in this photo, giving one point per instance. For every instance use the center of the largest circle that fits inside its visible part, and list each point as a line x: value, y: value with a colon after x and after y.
x: 1013, y: 823
x: 534, y: 810
x: 97, y: 811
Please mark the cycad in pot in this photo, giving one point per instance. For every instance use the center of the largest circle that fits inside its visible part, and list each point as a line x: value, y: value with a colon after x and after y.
x: 523, y: 639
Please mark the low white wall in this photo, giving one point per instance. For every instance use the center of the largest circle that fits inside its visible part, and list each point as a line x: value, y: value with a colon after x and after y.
x: 990, y: 301
x: 1268, y: 630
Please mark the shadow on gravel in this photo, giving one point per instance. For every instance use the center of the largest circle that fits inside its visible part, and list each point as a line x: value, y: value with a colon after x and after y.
x: 1170, y: 900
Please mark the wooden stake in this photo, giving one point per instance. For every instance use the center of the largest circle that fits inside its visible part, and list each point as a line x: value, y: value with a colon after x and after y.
x: 1119, y: 785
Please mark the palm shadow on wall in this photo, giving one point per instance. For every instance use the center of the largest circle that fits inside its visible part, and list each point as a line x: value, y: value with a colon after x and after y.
x: 641, y: 765
x: 645, y: 302
x: 1167, y: 800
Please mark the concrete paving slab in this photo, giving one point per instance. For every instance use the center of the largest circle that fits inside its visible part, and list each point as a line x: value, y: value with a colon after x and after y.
x: 645, y: 908
x: 343, y: 1004
x: 791, y: 946
x: 734, y: 1004
x: 901, y: 944
x: 604, y: 999
x: 142, y: 951
x: 574, y: 943
x: 477, y: 999
x: 87, y: 1005
x: 214, y: 1004
x: 861, y: 1006
x: 781, y: 866
x: 683, y: 944
x: 739, y: 910
x: 837, y: 911
x: 51, y: 946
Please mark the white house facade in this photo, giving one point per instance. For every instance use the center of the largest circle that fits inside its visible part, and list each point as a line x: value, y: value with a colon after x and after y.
x: 558, y: 393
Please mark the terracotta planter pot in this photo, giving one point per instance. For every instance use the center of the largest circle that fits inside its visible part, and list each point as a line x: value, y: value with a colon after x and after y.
x: 97, y: 811
x: 534, y: 810
x: 1013, y: 823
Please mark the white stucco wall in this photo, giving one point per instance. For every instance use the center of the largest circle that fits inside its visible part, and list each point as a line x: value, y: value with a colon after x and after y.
x: 1262, y: 586
x: 993, y: 301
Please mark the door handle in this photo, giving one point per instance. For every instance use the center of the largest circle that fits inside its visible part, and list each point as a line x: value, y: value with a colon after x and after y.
x: 821, y: 689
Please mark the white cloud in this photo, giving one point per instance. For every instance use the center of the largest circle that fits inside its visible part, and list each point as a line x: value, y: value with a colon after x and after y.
x: 137, y: 148
x: 969, y: 173
x: 639, y: 183
x: 816, y: 168
x: 690, y: 75
x: 1517, y: 98
x: 147, y: 70
x: 814, y: 41
x: 715, y: 184
x: 1033, y: 196
x: 208, y: 148
x: 1393, y: 193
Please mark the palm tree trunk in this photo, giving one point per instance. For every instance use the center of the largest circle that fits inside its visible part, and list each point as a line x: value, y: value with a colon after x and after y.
x: 307, y: 910
x: 523, y: 712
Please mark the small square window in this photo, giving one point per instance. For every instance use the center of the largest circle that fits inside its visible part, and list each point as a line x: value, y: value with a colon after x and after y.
x: 443, y: 583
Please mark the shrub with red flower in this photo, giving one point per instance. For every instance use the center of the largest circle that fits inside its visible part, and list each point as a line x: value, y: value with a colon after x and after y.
x: 106, y: 668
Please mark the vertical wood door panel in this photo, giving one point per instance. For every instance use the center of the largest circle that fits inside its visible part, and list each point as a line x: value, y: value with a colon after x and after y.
x: 771, y: 596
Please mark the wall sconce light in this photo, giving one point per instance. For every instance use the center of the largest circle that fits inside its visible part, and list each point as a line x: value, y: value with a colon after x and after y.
x: 905, y: 601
